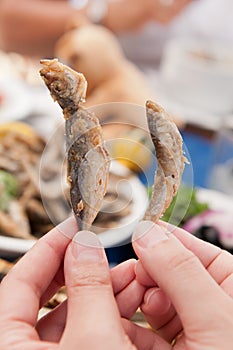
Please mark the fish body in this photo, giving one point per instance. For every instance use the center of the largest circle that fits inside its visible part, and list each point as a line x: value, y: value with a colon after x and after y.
x: 170, y: 160
x: 87, y: 157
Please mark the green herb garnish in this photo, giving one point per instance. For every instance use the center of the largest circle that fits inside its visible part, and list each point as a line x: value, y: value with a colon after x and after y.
x: 184, y: 206
x: 8, y: 189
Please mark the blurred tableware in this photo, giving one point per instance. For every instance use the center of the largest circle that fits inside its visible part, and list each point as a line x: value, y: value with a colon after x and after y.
x: 221, y: 173
x: 214, y: 225
x: 15, y: 103
x: 14, y: 247
x: 199, y: 74
x: 183, y: 113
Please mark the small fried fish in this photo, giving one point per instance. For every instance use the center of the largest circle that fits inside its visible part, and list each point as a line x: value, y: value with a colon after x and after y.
x: 170, y: 160
x: 88, y: 159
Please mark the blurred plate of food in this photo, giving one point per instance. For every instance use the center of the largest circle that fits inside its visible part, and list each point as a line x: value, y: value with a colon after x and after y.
x: 124, y: 205
x: 21, y: 208
x: 215, y: 224
x: 206, y: 213
x: 34, y: 196
x: 15, y: 102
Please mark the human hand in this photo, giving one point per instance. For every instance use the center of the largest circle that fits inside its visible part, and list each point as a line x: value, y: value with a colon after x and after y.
x: 189, y: 287
x: 90, y: 318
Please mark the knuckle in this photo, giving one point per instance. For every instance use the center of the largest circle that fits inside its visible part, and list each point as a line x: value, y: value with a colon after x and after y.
x: 89, y: 276
x: 225, y: 255
x: 182, y: 262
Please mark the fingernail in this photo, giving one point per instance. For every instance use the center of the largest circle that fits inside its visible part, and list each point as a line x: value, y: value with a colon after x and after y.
x: 168, y: 227
x: 156, y: 295
x: 87, y: 247
x: 147, y: 234
x: 68, y: 228
x: 149, y: 296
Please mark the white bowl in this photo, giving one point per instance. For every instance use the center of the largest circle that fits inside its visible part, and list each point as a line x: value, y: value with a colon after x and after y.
x: 199, y: 74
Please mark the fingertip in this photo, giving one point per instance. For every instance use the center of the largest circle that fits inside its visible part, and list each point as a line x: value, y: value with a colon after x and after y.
x: 155, y: 302
x: 86, y: 246
x: 148, y: 234
x: 68, y: 227
x: 142, y: 228
x: 142, y: 276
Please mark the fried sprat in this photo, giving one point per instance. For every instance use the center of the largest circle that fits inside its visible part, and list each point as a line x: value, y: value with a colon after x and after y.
x: 170, y: 160
x: 87, y: 157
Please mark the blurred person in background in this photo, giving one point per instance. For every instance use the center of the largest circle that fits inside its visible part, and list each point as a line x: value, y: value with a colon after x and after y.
x: 32, y: 27
x: 207, y: 20
x: 143, y: 27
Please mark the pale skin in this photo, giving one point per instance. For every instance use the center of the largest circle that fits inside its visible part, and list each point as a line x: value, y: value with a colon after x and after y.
x: 194, y: 295
x: 32, y: 27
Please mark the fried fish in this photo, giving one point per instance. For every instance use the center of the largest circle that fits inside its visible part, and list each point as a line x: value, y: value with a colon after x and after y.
x: 170, y: 160
x: 87, y: 156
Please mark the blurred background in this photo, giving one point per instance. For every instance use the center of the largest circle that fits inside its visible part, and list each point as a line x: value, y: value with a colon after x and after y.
x: 178, y: 53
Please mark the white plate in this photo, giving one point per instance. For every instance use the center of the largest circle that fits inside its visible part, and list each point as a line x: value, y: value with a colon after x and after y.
x: 216, y: 200
x: 16, y: 103
x: 13, y: 247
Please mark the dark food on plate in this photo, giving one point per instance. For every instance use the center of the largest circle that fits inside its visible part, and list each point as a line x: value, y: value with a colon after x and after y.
x: 41, y: 202
x: 22, y: 214
x: 88, y: 160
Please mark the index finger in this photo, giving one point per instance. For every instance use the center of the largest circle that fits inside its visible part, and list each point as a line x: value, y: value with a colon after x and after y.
x: 218, y: 262
x: 30, y: 277
x: 179, y: 274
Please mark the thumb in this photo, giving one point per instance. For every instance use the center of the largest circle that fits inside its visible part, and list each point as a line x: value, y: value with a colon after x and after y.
x: 178, y: 272
x: 91, y: 304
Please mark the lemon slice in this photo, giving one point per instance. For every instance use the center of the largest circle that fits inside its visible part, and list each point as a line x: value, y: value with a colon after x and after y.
x: 18, y: 128
x: 133, y: 150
